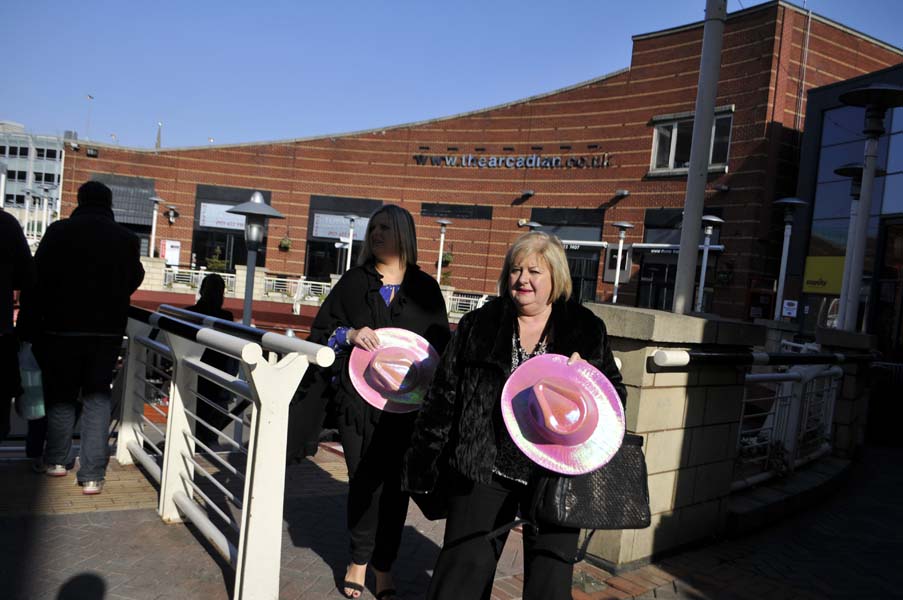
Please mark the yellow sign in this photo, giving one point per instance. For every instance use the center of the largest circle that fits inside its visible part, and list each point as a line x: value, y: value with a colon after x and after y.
x: 824, y: 275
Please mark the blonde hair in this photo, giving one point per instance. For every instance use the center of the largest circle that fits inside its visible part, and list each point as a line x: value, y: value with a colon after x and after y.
x: 405, y: 235
x: 549, y: 248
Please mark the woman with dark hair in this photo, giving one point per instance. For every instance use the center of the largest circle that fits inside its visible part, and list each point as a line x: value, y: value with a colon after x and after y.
x: 460, y: 430
x: 386, y: 289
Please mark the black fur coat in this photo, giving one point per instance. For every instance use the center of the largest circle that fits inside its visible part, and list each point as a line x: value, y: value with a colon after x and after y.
x: 455, y: 427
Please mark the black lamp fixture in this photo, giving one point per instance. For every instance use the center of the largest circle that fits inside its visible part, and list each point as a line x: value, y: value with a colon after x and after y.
x: 171, y: 214
x: 256, y: 212
x: 622, y: 193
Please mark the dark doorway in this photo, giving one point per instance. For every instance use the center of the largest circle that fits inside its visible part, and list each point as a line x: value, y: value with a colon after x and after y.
x: 584, y: 266
x: 656, y: 285
x: 885, y: 410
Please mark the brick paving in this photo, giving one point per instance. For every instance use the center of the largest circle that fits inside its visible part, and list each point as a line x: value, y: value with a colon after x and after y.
x: 57, y: 544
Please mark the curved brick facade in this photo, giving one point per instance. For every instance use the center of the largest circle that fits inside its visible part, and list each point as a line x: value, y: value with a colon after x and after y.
x: 607, y: 120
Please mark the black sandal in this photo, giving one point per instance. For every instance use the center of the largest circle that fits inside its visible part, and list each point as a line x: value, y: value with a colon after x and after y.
x: 355, y: 587
x: 386, y: 593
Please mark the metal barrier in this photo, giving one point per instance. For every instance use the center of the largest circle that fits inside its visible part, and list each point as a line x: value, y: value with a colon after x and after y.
x: 464, y: 302
x: 785, y: 422
x: 240, y: 482
x: 309, y: 290
x: 192, y: 278
x: 786, y: 419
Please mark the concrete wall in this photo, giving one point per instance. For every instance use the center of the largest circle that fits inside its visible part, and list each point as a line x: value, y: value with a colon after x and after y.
x: 689, y: 421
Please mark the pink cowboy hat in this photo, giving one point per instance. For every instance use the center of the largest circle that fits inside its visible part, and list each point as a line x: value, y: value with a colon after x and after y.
x: 396, y: 376
x: 566, y: 418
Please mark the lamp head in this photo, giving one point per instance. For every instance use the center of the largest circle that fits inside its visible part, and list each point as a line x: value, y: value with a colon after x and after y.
x: 622, y: 193
x: 443, y: 223
x: 171, y: 214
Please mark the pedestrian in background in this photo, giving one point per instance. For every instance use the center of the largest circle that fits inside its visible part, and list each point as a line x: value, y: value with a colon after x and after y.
x: 16, y: 273
x: 87, y: 267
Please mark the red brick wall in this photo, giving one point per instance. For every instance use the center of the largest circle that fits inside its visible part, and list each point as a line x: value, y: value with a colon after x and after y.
x: 760, y: 74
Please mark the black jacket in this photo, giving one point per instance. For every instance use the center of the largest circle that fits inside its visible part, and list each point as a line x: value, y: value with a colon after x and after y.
x: 87, y: 267
x: 355, y: 302
x: 16, y: 270
x: 455, y: 427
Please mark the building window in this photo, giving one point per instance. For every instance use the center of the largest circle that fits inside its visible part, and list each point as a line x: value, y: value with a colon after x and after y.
x: 39, y: 152
x: 23, y: 150
x: 51, y: 154
x: 673, y: 136
x: 2, y: 150
x: 14, y: 151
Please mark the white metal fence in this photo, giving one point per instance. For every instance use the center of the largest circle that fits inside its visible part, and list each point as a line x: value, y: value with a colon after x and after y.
x: 192, y: 278
x: 231, y: 490
x: 786, y: 421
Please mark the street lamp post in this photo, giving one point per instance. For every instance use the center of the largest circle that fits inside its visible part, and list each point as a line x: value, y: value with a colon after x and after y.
x: 789, y: 204
x: 709, y: 223
x: 876, y: 99
x: 156, y: 200
x: 351, y: 219
x: 623, y: 227
x: 256, y: 212
x: 443, y: 223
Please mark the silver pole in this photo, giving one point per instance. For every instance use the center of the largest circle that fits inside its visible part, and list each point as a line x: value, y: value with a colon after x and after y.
x: 350, y: 242
x: 44, y: 200
x: 153, y: 239
x: 845, y: 281
x: 788, y: 224
x: 621, y: 235
x: 705, y: 264
x: 704, y: 117
x: 249, y: 283
x: 441, y: 250
x: 857, y: 256
x: 2, y: 185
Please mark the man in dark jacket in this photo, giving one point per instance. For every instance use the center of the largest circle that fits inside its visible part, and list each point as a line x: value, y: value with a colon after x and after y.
x: 87, y: 267
x: 15, y: 274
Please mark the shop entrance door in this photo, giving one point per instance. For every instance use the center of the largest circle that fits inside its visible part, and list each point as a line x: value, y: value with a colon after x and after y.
x: 885, y: 410
x: 584, y: 268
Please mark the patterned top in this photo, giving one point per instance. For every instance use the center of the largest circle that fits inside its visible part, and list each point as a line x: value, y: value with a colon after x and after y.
x: 510, y: 462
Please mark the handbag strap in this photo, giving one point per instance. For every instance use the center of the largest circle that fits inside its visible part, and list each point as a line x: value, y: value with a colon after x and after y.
x: 581, y: 552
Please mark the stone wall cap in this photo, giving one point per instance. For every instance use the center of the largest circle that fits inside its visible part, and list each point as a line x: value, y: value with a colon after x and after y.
x: 649, y: 325
x: 840, y: 339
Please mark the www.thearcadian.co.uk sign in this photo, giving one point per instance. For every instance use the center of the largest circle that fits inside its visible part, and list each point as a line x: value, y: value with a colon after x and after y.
x: 532, y: 161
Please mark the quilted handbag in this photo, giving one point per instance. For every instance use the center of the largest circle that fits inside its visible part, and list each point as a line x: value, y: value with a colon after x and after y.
x: 615, y: 496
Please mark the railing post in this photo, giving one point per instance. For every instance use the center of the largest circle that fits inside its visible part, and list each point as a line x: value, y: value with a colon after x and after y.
x: 132, y: 403
x: 260, y: 542
x: 180, y: 397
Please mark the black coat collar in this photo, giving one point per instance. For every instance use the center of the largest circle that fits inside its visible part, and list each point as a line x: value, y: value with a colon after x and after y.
x: 494, y: 327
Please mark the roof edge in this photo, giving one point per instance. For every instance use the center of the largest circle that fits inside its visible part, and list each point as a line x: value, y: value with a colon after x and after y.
x: 768, y: 5
x: 363, y: 131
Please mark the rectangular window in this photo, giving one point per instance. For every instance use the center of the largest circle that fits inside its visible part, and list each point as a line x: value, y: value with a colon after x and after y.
x: 38, y: 177
x: 14, y: 151
x: 673, y: 138
x: 51, y: 154
x: 23, y: 150
x: 2, y: 150
x: 39, y: 152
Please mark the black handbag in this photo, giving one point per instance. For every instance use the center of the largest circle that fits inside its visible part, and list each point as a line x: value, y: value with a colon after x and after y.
x: 615, y: 496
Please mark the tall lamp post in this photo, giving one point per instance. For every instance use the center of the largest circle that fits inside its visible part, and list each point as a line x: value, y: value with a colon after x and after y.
x: 623, y: 227
x: 443, y: 223
x: 156, y: 200
x: 256, y: 212
x: 709, y: 227
x: 789, y: 205
x: 351, y: 219
x: 876, y: 99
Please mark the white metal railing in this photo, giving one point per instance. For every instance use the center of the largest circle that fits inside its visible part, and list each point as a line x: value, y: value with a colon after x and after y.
x: 462, y: 302
x: 232, y: 492
x: 284, y: 286
x: 310, y: 291
x: 785, y: 421
x: 173, y: 276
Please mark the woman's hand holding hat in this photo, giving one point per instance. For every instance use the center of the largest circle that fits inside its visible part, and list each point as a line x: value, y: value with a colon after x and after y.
x: 364, y: 338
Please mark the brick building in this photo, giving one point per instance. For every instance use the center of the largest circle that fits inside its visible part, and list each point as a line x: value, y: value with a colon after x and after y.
x: 563, y: 159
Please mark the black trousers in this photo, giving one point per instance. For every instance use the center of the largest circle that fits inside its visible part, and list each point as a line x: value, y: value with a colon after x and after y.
x: 467, y: 562
x: 377, y: 507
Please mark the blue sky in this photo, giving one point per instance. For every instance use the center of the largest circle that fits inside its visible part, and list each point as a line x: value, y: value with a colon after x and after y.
x: 268, y: 70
